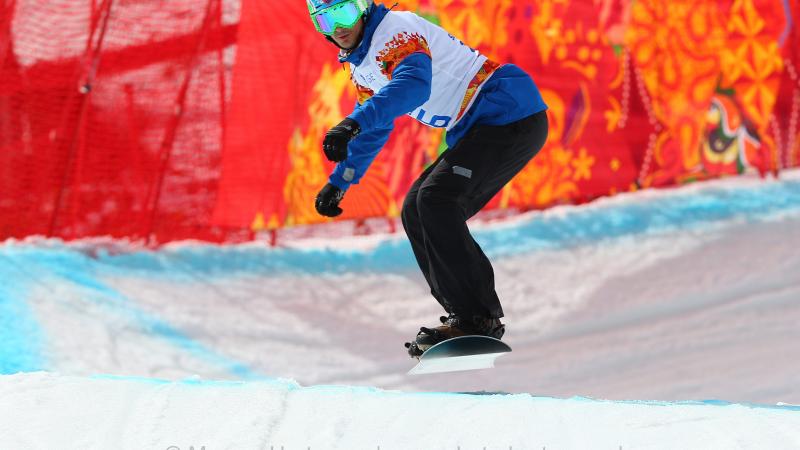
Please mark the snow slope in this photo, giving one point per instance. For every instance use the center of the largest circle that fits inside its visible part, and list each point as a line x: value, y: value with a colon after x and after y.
x: 675, y: 295
x: 106, y: 412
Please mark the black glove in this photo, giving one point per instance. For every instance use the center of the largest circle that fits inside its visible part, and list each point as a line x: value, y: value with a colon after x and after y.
x: 328, y: 199
x: 337, y: 138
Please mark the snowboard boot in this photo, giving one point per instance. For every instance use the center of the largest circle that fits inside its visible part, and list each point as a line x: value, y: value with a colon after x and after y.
x: 454, y: 326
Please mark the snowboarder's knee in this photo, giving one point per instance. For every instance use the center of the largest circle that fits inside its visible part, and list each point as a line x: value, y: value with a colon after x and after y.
x: 435, y: 198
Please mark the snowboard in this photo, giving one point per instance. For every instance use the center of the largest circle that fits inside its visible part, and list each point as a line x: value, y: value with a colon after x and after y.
x: 460, y: 353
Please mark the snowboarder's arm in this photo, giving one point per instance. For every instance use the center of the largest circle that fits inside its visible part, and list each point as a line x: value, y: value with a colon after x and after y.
x: 409, y: 88
x: 362, y: 151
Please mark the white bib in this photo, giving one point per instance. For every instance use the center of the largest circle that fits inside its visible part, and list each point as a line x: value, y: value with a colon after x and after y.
x: 458, y: 70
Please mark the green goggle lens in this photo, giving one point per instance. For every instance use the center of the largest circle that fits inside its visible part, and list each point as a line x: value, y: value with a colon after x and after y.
x: 344, y: 15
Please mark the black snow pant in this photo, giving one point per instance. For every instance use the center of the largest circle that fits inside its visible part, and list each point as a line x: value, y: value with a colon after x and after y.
x: 454, y: 188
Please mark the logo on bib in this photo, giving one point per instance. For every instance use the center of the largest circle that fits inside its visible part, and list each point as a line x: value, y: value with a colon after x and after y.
x: 402, y: 45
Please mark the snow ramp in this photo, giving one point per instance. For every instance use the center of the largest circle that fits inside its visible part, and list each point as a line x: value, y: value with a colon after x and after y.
x: 46, y: 411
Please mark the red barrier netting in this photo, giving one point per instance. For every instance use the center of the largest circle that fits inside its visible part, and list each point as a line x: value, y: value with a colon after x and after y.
x: 112, y: 116
x: 202, y: 119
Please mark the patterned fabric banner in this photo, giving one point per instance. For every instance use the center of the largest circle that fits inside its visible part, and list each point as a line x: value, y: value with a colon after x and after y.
x: 641, y: 94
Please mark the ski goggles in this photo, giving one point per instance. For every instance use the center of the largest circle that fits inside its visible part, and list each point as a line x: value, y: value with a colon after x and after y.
x: 342, y: 15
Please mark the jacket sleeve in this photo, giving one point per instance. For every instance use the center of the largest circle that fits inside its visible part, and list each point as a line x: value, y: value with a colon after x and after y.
x: 409, y: 88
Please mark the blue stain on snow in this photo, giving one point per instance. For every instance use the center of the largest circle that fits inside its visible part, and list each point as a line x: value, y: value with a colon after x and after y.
x: 571, y: 226
x: 63, y: 266
x: 720, y: 403
x: 162, y: 329
x: 20, y: 335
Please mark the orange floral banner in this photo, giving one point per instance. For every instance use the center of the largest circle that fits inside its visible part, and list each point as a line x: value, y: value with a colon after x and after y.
x: 641, y: 94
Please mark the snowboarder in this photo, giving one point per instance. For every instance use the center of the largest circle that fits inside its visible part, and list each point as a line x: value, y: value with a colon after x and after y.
x: 496, y: 123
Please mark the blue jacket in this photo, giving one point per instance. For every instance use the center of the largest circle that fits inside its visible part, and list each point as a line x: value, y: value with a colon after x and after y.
x: 507, y: 96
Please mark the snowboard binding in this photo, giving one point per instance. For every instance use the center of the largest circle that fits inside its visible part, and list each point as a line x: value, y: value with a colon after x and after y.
x: 453, y: 326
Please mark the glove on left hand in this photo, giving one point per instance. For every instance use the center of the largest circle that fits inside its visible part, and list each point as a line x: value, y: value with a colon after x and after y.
x: 327, y: 202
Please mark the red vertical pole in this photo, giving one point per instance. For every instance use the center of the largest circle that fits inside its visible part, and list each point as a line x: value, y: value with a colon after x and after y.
x: 273, y: 238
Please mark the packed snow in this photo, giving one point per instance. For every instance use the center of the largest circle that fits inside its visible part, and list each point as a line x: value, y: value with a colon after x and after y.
x: 44, y: 411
